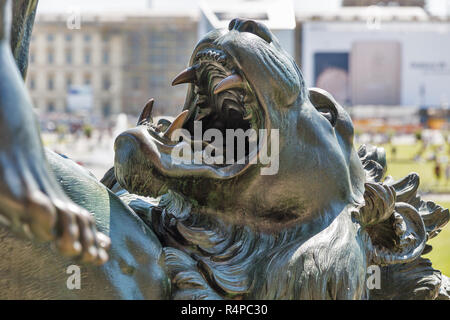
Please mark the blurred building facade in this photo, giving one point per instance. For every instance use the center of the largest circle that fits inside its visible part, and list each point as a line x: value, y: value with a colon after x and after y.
x: 61, y: 58
x: 396, y: 56
x: 278, y: 16
x: 124, y: 59
x: 387, y: 55
x: 156, y: 49
x: 364, y: 3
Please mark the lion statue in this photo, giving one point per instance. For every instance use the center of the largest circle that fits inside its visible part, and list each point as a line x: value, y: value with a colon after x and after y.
x: 190, y: 230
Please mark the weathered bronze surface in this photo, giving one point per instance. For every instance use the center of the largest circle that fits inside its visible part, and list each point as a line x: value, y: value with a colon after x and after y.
x: 198, y: 231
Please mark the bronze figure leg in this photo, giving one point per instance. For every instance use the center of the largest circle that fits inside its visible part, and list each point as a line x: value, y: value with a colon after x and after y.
x: 31, y: 201
x: 24, y: 12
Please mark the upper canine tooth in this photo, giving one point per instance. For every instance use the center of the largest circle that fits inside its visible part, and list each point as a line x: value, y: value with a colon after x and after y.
x: 185, y: 76
x: 233, y: 81
x: 146, y: 113
x: 176, y: 124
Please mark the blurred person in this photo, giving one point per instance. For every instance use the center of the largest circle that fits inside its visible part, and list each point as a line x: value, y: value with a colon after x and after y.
x: 87, y: 130
x: 32, y: 201
x: 437, y: 170
x: 417, y: 157
x: 418, y: 136
x: 61, y: 130
x: 447, y: 173
x: 100, y: 135
x: 394, y: 152
x: 433, y: 157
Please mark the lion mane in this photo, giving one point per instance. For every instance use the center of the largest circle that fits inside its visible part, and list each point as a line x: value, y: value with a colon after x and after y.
x: 208, y: 258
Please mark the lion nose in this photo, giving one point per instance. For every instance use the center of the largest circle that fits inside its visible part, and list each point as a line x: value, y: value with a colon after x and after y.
x: 246, y: 25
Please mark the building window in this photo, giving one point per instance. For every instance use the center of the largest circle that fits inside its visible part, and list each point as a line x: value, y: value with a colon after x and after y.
x: 106, y: 38
x: 87, y: 57
x: 134, y: 47
x: 69, y: 56
x: 106, y: 82
x: 32, y: 57
x: 156, y: 82
x: 180, y: 58
x: 50, y: 106
x: 69, y: 81
x: 50, y: 56
x: 69, y: 37
x: 87, y: 79
x: 87, y: 38
x: 50, y: 83
x: 135, y: 83
x: 105, y: 56
x: 106, y: 109
x: 50, y: 37
x: 32, y: 83
x: 159, y: 57
x: 157, y: 39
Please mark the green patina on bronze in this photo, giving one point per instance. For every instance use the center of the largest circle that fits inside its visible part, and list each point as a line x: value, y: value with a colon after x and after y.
x: 198, y: 231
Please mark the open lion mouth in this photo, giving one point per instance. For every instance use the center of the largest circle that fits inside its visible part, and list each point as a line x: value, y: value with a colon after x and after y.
x: 220, y: 99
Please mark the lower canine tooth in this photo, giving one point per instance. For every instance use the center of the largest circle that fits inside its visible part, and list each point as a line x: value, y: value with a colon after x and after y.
x: 248, y: 117
x: 146, y: 113
x: 176, y: 124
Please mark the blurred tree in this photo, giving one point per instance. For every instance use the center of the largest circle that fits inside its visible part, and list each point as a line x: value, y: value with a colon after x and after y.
x: 87, y: 130
x: 418, y: 135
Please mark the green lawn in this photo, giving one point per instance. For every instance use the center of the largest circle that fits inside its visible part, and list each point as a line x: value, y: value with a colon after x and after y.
x: 440, y: 255
x: 402, y: 165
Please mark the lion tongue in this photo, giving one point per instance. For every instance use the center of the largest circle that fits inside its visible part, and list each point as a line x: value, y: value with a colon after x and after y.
x: 176, y: 124
x: 146, y: 114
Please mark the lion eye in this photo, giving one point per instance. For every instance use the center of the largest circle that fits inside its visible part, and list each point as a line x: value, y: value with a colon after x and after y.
x: 329, y: 113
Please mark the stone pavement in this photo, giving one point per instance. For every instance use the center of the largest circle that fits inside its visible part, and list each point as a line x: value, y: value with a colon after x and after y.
x: 96, y: 154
